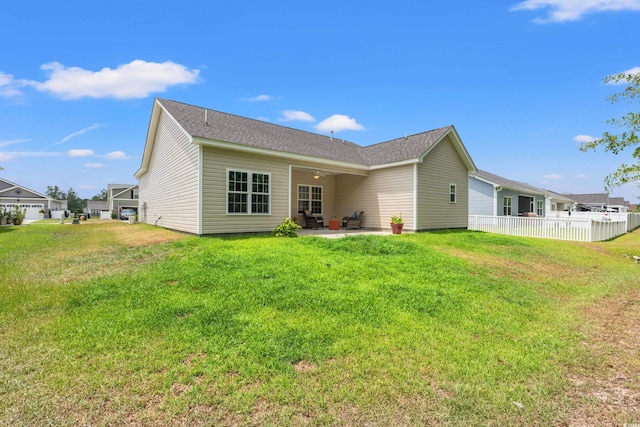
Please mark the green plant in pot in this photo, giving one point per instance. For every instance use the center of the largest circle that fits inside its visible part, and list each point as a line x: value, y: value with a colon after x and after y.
x: 396, y: 224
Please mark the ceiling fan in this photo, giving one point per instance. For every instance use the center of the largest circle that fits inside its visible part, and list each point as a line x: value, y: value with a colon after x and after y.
x: 319, y: 174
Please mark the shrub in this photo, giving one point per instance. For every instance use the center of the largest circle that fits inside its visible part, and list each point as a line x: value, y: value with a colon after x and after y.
x: 288, y: 228
x: 14, y: 217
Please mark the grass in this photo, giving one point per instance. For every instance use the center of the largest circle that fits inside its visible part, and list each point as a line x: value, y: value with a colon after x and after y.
x: 109, y: 323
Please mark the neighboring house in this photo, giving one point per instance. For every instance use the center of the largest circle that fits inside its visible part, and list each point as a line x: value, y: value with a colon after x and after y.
x: 599, y: 202
x: 493, y: 195
x: 95, y: 207
x: 208, y: 172
x: 12, y: 195
x: 122, y: 196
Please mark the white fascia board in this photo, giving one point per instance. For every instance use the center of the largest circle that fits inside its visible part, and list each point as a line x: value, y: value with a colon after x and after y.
x: 395, y: 164
x: 485, y: 181
x: 158, y: 108
x: 280, y: 154
x: 458, y: 145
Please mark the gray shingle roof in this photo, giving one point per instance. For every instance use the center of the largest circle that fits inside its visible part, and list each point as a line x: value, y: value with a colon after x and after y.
x: 507, y: 183
x: 255, y: 133
x: 593, y: 198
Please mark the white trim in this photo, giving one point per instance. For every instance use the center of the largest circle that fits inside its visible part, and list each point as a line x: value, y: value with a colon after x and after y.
x: 289, y: 201
x: 249, y: 192
x: 200, y: 189
x: 510, y: 205
x: 310, y: 200
x: 415, y: 196
x: 279, y: 154
x: 455, y: 193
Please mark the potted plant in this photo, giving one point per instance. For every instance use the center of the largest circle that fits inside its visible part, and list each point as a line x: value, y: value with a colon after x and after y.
x: 396, y: 224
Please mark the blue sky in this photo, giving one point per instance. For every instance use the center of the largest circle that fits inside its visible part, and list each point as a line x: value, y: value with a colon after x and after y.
x: 520, y: 80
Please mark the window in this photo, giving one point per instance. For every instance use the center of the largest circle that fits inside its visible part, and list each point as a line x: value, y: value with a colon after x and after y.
x: 452, y: 193
x: 506, y: 206
x: 310, y: 198
x: 539, y: 207
x: 248, y: 192
x: 135, y: 193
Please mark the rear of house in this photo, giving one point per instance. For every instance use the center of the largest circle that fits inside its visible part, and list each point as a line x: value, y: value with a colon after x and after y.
x: 207, y: 172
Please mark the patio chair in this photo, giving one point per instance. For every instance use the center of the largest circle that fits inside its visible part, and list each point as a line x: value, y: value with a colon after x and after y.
x: 353, y: 221
x: 313, y: 221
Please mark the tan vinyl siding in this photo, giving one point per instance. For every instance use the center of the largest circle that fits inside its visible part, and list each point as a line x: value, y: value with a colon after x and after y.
x: 380, y: 194
x: 215, y: 163
x: 441, y: 167
x: 170, y: 187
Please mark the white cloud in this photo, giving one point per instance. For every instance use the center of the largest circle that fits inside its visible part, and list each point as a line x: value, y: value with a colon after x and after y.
x: 292, y: 115
x: 583, y: 138
x: 260, y: 98
x: 5, y: 157
x: 573, y: 10
x: 582, y: 176
x: 81, y: 153
x: 12, y: 141
x: 80, y: 132
x: 137, y: 79
x: 15, y: 154
x: 116, y: 155
x: 94, y: 165
x: 337, y: 123
x: 553, y: 176
x: 9, y: 86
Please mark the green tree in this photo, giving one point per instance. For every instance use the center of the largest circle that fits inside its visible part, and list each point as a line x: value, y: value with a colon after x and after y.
x: 630, y: 123
x: 74, y: 203
x: 55, y: 193
x: 101, y: 196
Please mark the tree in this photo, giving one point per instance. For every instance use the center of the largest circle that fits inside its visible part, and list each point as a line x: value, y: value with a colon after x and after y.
x: 100, y: 196
x: 74, y: 203
x: 628, y: 138
x: 55, y: 193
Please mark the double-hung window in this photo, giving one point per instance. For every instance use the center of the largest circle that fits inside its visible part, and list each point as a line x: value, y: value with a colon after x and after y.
x: 310, y: 199
x: 539, y: 207
x: 248, y: 192
x: 506, y: 206
x: 452, y: 193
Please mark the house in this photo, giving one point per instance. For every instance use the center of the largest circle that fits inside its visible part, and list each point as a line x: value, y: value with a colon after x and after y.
x: 493, y: 195
x: 95, y: 208
x: 209, y: 172
x: 33, y: 203
x: 121, y: 196
x: 599, y: 202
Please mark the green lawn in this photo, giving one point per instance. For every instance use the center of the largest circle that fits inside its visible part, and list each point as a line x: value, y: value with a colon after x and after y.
x: 107, y: 323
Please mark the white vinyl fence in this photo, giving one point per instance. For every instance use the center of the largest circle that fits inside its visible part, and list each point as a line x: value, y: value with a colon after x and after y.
x: 577, y: 229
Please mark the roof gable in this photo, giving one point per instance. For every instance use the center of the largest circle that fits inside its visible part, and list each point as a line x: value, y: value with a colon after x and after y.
x: 10, y: 189
x: 508, y: 183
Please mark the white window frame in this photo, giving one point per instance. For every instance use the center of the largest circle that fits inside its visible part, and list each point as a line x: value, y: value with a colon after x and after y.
x: 250, y: 192
x: 505, y: 207
x: 539, y: 207
x: 310, y: 200
x: 453, y: 193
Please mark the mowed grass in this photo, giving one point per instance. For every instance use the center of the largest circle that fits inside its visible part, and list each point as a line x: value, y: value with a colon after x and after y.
x: 108, y: 323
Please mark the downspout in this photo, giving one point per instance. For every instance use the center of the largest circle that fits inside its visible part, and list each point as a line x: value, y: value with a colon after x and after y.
x: 496, y: 189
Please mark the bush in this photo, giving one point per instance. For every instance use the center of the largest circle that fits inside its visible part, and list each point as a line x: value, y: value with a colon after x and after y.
x: 14, y: 217
x: 288, y: 228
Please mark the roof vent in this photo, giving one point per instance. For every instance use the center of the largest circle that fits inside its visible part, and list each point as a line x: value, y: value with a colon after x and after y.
x: 331, y: 135
x: 206, y: 110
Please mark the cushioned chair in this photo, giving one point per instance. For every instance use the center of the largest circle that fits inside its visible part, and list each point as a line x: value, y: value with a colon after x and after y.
x: 313, y: 221
x: 353, y: 221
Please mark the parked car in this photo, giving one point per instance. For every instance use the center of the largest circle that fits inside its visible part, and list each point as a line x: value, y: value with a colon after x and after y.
x: 126, y: 213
